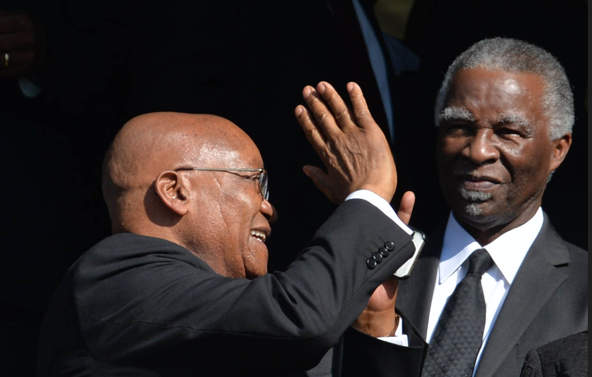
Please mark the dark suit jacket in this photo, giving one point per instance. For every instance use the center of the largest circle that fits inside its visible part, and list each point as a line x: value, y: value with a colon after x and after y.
x: 362, y: 355
x: 566, y: 357
x: 144, y: 306
x: 548, y: 300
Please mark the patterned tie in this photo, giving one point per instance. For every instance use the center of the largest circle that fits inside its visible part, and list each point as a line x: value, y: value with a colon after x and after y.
x: 459, y: 332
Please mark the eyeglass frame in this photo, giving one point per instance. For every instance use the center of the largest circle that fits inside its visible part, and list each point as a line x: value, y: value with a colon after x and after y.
x: 263, y: 176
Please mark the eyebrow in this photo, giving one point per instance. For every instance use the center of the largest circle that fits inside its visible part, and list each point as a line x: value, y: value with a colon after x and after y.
x: 523, y: 123
x: 514, y: 118
x: 456, y: 113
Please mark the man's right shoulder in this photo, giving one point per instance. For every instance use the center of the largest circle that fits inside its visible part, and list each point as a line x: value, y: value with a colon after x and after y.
x: 127, y: 250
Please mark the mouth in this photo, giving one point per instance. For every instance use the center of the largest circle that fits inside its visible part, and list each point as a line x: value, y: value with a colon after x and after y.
x: 478, y: 182
x: 259, y: 235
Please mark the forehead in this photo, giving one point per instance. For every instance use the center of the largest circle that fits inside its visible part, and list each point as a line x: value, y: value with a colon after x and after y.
x: 228, y: 148
x: 497, y: 91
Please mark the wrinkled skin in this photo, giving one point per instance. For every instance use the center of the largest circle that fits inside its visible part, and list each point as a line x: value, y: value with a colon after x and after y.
x: 329, y: 125
x: 221, y: 217
x: 494, y: 151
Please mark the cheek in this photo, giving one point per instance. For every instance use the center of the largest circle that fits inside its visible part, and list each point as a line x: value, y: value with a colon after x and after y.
x: 448, y: 157
x: 528, y: 168
x: 238, y: 219
x: 526, y: 162
x: 443, y: 153
x: 256, y: 262
x: 514, y: 152
x: 449, y: 146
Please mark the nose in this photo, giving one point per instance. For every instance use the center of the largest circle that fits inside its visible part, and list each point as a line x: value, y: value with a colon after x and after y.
x: 269, y: 211
x: 481, y: 149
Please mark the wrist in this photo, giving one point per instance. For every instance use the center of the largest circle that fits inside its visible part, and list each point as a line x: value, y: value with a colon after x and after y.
x: 395, y: 327
x: 377, y: 324
x: 385, y: 193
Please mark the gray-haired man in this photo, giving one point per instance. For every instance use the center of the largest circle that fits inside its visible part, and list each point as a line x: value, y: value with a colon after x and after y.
x: 505, y: 115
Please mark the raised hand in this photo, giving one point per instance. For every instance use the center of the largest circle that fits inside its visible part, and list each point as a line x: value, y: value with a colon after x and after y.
x: 352, y: 146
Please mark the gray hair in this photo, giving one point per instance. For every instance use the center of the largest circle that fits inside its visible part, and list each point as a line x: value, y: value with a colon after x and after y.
x: 513, y: 55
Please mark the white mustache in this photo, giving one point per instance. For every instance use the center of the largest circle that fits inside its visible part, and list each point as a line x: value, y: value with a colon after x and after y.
x: 474, y: 196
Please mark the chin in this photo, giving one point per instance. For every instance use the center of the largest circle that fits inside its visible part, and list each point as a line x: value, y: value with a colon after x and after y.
x: 473, y: 210
x: 474, y: 215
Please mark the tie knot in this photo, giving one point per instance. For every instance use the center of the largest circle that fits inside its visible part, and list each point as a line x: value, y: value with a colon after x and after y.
x: 479, y: 262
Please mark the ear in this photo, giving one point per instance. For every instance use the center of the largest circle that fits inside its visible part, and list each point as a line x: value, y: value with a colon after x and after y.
x: 560, y: 148
x: 170, y: 188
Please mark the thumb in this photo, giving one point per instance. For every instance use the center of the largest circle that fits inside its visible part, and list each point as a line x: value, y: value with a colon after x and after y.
x: 406, y: 206
x: 320, y: 180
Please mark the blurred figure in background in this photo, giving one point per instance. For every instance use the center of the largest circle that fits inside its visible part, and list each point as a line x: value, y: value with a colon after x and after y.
x: 59, y: 94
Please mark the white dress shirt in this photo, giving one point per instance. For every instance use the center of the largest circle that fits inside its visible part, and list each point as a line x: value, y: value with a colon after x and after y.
x: 507, y: 251
x: 382, y: 205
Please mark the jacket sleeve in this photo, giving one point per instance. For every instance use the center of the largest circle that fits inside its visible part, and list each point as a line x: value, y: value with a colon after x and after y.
x: 170, y: 306
x: 363, y: 355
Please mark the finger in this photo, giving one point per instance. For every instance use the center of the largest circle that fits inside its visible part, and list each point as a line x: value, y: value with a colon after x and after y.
x: 341, y: 112
x: 322, y: 114
x: 406, y: 206
x: 390, y: 287
x: 360, y: 110
x: 384, y: 296
x: 320, y: 180
x: 311, y: 130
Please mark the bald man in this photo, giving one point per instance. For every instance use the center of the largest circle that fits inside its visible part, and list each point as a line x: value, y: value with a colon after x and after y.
x: 181, y: 287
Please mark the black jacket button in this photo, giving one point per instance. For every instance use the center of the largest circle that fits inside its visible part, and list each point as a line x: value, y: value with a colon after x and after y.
x: 377, y: 257
x: 371, y: 263
x: 389, y: 246
x: 384, y: 252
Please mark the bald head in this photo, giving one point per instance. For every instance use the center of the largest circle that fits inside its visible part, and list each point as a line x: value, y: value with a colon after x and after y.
x: 152, y: 143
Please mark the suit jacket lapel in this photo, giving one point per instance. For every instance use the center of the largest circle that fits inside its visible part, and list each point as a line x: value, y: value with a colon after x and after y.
x: 535, y: 283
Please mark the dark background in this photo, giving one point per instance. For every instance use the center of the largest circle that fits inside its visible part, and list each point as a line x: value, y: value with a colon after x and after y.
x: 108, y: 61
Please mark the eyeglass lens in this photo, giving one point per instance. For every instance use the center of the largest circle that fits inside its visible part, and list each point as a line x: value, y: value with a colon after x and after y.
x: 263, y: 185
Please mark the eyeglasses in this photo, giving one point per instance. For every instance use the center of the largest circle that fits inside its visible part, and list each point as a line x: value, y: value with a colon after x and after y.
x: 263, y: 177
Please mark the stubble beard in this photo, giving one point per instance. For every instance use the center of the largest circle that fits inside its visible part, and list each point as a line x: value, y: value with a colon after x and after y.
x: 474, y: 198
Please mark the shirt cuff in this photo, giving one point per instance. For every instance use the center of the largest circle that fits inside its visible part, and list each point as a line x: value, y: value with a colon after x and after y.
x: 399, y: 338
x: 382, y: 205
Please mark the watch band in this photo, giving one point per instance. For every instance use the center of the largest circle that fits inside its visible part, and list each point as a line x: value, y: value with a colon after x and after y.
x: 404, y: 271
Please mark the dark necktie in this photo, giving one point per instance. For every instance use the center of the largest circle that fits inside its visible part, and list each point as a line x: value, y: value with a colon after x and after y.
x: 459, y: 332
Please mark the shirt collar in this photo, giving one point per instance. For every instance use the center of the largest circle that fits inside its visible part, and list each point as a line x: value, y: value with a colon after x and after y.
x: 507, y: 251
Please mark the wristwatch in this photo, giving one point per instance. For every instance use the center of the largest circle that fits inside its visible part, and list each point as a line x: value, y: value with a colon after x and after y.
x: 404, y: 271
